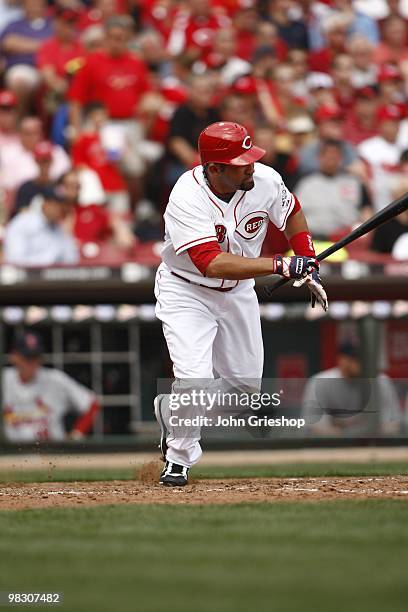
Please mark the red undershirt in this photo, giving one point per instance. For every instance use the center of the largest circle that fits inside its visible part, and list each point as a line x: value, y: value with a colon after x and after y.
x: 202, y: 254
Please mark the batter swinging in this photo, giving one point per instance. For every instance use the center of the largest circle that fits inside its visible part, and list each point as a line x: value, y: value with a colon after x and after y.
x: 215, y: 223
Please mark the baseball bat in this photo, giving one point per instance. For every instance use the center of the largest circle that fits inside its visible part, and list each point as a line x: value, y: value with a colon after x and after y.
x: 384, y: 215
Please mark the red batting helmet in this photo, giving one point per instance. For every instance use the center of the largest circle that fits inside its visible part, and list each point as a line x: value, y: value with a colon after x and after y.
x: 228, y: 143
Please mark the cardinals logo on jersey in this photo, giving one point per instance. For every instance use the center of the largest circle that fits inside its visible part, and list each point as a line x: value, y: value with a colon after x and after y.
x: 220, y: 230
x: 251, y: 225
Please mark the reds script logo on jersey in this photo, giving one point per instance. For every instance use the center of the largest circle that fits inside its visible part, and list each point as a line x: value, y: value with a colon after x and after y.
x: 251, y: 225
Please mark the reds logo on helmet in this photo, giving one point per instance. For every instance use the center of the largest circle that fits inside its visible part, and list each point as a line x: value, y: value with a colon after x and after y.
x: 251, y: 225
x: 220, y: 230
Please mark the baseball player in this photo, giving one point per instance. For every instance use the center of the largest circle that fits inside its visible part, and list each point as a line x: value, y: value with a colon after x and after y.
x: 215, y: 223
x: 35, y: 398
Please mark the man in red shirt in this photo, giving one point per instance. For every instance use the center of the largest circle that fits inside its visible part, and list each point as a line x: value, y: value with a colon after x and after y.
x: 61, y: 55
x: 361, y: 120
x: 113, y: 76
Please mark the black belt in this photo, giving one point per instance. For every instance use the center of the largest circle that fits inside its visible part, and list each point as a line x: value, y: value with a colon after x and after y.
x: 223, y: 289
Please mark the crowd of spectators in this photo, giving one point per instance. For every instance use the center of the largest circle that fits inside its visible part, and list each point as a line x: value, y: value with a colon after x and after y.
x: 102, y: 102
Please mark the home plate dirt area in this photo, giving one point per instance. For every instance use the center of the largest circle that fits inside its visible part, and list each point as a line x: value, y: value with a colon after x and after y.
x: 203, y: 492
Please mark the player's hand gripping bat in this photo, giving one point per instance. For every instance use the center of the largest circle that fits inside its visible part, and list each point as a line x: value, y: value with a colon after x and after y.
x: 386, y: 214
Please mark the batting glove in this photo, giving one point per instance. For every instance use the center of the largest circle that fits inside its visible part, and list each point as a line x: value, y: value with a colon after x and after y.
x: 318, y: 294
x: 296, y: 267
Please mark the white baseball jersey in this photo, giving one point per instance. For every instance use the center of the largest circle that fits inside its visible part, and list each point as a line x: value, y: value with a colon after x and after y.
x: 35, y: 411
x: 195, y: 215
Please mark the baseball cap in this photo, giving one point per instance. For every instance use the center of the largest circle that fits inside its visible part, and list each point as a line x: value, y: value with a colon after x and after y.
x: 328, y: 113
x: 390, y: 112
x: 348, y: 348
x: 28, y: 343
x: 319, y: 80
x: 67, y: 14
x: 8, y: 98
x: 43, y: 150
x: 366, y: 93
x: 302, y: 124
x: 54, y: 193
x: 262, y: 52
x: 245, y: 85
x: 389, y: 72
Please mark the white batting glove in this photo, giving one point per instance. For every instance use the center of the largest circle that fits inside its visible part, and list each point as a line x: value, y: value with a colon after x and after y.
x: 318, y: 294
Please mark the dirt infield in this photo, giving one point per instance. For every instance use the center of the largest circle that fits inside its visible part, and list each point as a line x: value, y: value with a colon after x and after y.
x: 53, y: 494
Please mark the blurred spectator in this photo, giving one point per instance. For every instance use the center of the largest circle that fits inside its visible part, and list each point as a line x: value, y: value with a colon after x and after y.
x: 194, y: 27
x: 39, y: 185
x: 297, y: 59
x: 313, y: 13
x: 342, y: 71
x: 277, y: 100
x: 320, y: 90
x: 264, y: 62
x: 382, y: 152
x: 384, y: 149
x: 339, y: 401
x: 114, y: 76
x: 238, y: 109
x: 20, y: 42
x: 393, y: 48
x: 36, y: 399
x: 361, y: 120
x: 60, y: 56
x: 223, y: 57
x: 300, y: 129
x: 8, y: 117
x: 390, y: 85
x: 360, y: 23
x: 292, y: 31
x: 93, y: 222
x: 392, y: 237
x: 152, y: 50
x: 335, y: 28
x: 17, y: 161
x: 38, y: 238
x: 97, y: 14
x: 332, y: 200
x: 330, y: 124
x: 247, y: 26
x: 90, y: 150
x: 364, y: 71
x: 267, y: 37
x: 284, y: 163
x: 186, y: 125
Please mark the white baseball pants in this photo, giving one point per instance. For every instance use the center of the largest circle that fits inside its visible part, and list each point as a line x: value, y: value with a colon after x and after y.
x: 207, y: 330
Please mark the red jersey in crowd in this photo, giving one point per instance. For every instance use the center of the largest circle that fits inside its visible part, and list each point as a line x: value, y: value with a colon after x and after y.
x: 118, y: 82
x: 88, y: 151
x: 91, y: 223
x: 54, y: 53
x: 195, y: 33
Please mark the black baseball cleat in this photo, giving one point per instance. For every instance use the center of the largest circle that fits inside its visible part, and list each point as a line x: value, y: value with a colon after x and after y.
x: 163, y: 430
x: 174, y: 475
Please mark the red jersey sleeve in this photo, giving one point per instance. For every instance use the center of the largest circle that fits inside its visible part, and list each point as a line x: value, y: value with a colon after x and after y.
x: 202, y: 255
